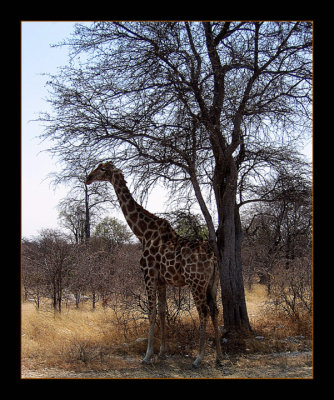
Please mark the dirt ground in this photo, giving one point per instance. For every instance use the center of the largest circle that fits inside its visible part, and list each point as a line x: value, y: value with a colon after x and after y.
x: 259, y: 366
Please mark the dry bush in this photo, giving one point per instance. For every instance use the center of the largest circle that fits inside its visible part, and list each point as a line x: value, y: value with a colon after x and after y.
x: 291, y: 289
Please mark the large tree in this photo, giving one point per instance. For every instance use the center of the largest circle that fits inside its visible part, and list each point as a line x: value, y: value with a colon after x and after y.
x: 212, y: 109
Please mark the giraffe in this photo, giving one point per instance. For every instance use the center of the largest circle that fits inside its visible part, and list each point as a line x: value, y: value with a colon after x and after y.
x: 167, y: 259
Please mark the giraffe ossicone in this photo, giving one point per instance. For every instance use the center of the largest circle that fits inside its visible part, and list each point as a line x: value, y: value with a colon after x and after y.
x: 167, y: 259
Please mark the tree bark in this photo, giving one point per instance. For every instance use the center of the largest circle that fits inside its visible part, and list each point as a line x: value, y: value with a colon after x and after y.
x: 226, y: 243
x: 229, y: 238
x: 87, y: 219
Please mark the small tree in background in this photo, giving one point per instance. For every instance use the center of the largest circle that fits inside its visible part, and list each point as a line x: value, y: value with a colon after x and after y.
x: 188, y: 224
x: 50, y: 257
x: 114, y: 231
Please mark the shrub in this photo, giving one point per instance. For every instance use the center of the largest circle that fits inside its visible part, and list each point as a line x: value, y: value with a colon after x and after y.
x: 291, y: 289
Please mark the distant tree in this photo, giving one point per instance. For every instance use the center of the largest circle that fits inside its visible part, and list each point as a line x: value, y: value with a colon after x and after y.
x: 48, y: 261
x: 72, y: 216
x: 94, y: 269
x: 187, y: 224
x: 113, y: 230
x: 33, y: 276
x: 82, y: 201
x: 280, y: 231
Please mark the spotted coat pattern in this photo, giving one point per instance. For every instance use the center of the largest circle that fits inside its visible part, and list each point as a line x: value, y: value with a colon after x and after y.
x: 167, y: 259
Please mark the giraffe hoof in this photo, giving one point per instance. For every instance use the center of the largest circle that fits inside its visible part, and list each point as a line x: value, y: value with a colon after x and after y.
x: 219, y: 362
x: 145, y: 362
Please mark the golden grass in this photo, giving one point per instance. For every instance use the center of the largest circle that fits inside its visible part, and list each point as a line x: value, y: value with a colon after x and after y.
x: 80, y: 338
x: 256, y: 299
x: 75, y: 336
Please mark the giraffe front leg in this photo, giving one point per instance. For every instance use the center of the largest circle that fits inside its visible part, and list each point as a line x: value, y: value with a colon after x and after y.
x: 203, y: 311
x: 202, y: 339
x: 151, y: 294
x: 162, y: 315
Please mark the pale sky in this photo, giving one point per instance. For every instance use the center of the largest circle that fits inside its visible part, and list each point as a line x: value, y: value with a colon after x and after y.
x: 39, y: 200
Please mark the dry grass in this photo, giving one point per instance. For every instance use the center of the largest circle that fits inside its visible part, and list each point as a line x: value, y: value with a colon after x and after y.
x: 76, y: 338
x: 81, y: 339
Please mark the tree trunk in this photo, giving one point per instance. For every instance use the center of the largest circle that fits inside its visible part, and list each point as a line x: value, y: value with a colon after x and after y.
x: 77, y: 299
x: 229, y: 238
x: 93, y: 299
x: 87, y: 219
x: 54, y: 294
x: 231, y: 280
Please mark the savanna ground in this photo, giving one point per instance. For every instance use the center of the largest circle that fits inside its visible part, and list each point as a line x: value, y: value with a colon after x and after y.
x: 81, y: 343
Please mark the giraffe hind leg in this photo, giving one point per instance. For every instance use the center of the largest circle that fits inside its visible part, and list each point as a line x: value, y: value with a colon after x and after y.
x: 211, y: 300
x: 162, y: 315
x: 203, y: 311
x: 202, y: 338
x: 151, y: 295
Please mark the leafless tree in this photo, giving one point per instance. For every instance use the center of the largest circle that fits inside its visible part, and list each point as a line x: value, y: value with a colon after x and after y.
x: 211, y: 109
x: 83, y: 202
x: 280, y: 231
x: 48, y: 261
x: 33, y: 277
x: 73, y: 218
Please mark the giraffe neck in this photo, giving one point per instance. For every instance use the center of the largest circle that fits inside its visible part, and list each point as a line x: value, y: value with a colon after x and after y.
x: 142, y: 223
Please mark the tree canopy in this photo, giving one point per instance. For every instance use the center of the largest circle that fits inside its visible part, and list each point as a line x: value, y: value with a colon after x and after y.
x: 215, y: 110
x: 167, y: 100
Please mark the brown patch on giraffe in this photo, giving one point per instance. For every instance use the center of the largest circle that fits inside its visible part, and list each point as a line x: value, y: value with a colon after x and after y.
x: 185, y: 252
x: 168, y: 276
x: 148, y: 235
x: 152, y: 225
x: 150, y: 261
x: 142, y: 225
x: 177, y: 266
x: 133, y: 218
x: 202, y: 257
x: 131, y: 207
x: 156, y: 238
x: 200, y: 267
x: 154, y: 250
x: 194, y: 257
x: 171, y: 269
x: 136, y: 231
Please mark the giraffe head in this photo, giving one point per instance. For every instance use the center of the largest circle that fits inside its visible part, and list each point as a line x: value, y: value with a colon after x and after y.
x: 104, y: 172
